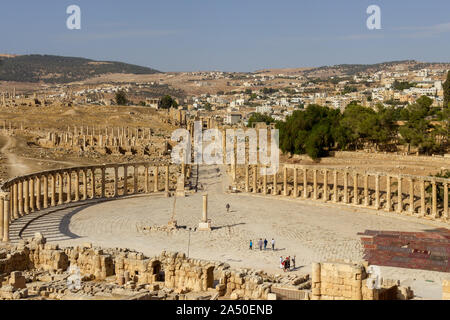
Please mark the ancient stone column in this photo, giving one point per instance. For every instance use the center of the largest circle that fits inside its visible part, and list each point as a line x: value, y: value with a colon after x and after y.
x: 183, y: 170
x: 32, y: 202
x: 15, y: 202
x: 116, y: 181
x: 205, y: 223
x: 295, y: 194
x: 53, y: 187
x: 6, y: 218
x: 103, y: 182
x: 446, y: 213
x: 77, y: 185
x: 377, y: 191
x: 38, y: 193
x: 135, y: 182
x: 146, y: 181
x: 94, y: 193
x: 316, y: 281
x: 325, y: 185
x: 45, y: 177
x: 205, y: 208
x: 434, y: 211
x: 69, y: 187
x: 366, y: 190
x: 84, y: 184
x: 125, y: 180
x: 305, y: 183
x: 167, y: 181
x: 355, y: 189
x: 255, y: 179
x: 155, y: 179
x: 265, y: 181
x: 285, y: 185
x: 247, y: 182
x: 400, y: 195
x: 60, y: 188
x: 315, y: 184
x: 335, y: 187
x: 422, y: 198
x: 411, y: 196
x: 388, y: 193
x: 345, y: 187
x: 275, y: 184
x: 20, y: 195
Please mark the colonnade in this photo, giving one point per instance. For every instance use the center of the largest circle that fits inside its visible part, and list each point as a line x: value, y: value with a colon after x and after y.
x: 421, y: 196
x: 27, y: 194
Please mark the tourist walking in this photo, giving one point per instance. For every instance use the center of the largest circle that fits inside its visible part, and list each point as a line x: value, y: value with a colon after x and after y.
x: 228, y: 207
x: 273, y: 244
x: 287, y: 265
x: 281, y: 262
x: 260, y: 243
x: 265, y: 244
x: 293, y: 262
x: 251, y: 245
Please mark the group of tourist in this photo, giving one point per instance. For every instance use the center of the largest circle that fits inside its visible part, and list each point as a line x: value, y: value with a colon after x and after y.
x: 262, y: 243
x: 285, y: 264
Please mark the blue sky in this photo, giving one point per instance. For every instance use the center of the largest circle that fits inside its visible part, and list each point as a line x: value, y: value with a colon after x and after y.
x: 229, y: 35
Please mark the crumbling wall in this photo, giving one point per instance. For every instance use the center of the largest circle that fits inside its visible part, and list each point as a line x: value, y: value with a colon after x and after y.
x: 348, y: 281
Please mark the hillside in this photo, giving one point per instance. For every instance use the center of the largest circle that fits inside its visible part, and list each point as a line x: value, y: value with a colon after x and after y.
x: 57, y: 69
x: 353, y: 69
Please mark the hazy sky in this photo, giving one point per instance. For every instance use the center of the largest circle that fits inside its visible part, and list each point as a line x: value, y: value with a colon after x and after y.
x: 229, y: 35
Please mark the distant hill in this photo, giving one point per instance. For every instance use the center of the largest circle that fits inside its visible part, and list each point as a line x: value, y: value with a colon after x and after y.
x: 57, y: 69
x: 353, y: 69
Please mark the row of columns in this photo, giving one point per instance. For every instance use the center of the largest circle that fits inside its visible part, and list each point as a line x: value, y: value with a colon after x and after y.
x: 357, y: 199
x: 44, y: 190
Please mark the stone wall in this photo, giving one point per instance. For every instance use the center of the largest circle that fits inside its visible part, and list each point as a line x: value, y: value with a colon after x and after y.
x: 446, y: 290
x: 348, y: 281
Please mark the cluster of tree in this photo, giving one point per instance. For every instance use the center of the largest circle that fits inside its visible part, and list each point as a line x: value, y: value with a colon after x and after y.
x: 349, y: 89
x: 402, y: 85
x: 269, y: 90
x: 318, y: 130
x: 260, y: 117
x: 167, y: 102
x: 121, y: 98
x: 446, y: 88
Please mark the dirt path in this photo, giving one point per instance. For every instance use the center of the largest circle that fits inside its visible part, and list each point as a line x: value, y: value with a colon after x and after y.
x: 18, y: 165
x: 15, y: 165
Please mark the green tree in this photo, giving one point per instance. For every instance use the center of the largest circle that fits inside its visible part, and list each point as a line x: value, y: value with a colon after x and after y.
x: 167, y: 102
x: 121, y: 98
x: 260, y: 117
x: 208, y: 106
x: 446, y: 88
x: 418, y: 130
x: 311, y: 132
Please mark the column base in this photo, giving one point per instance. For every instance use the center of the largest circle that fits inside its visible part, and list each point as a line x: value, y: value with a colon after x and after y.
x: 204, y: 226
